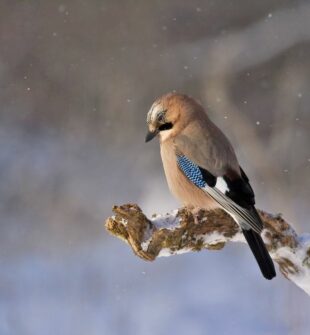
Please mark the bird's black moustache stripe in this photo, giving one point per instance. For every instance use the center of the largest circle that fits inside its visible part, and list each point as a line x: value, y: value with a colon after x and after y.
x: 165, y: 126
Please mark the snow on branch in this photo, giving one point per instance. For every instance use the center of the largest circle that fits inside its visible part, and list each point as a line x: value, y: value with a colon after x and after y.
x: 179, y: 232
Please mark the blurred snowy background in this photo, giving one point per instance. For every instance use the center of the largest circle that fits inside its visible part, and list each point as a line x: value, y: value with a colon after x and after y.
x: 77, y: 79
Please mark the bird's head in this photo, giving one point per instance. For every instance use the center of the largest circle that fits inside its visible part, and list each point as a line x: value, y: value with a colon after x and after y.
x: 169, y: 115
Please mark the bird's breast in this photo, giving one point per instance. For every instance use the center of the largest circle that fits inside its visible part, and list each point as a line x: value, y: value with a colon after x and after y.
x: 180, y: 186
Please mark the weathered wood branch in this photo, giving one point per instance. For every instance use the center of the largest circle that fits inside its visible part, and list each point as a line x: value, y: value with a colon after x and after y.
x: 179, y: 232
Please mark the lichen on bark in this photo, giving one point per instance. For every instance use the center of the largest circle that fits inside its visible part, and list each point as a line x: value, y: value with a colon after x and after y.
x: 181, y: 231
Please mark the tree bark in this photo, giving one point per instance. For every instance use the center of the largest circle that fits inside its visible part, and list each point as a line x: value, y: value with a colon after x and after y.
x: 180, y: 231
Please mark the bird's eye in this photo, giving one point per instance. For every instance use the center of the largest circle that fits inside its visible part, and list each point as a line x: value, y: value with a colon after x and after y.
x: 161, y: 116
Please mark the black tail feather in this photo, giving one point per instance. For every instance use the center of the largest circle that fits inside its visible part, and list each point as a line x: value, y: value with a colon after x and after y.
x: 260, y: 252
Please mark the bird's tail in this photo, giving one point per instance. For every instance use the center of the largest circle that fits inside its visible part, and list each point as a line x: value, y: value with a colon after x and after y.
x: 260, y: 252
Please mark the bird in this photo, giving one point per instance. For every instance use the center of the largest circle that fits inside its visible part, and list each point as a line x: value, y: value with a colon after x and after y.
x: 202, y: 169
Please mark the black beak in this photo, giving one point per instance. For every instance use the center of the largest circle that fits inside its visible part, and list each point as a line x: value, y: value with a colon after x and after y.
x: 150, y: 135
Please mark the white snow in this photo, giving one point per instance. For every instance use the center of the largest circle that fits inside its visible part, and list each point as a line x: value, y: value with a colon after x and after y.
x: 166, y: 252
x: 159, y: 221
x: 239, y: 237
x: 297, y: 256
x: 145, y: 244
x: 168, y: 221
x: 147, y: 238
x: 124, y: 222
x: 300, y: 260
x: 212, y: 238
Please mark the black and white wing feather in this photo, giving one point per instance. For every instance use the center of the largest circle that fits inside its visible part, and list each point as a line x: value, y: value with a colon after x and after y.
x: 235, y: 196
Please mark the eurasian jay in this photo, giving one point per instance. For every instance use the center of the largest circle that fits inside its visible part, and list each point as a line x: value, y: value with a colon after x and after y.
x: 202, y: 169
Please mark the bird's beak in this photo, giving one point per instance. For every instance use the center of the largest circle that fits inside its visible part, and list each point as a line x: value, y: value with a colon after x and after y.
x: 151, y: 134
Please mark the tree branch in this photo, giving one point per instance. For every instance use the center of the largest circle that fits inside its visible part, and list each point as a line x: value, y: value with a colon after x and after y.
x: 179, y: 232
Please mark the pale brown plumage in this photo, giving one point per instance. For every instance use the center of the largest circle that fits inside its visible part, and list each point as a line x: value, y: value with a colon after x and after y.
x: 193, y: 135
x: 202, y: 169
x: 183, y: 189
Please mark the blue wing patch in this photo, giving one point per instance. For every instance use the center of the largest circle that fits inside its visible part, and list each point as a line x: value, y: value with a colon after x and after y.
x: 191, y: 171
x: 220, y: 192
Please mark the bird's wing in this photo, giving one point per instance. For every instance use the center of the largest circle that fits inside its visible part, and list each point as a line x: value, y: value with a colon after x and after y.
x: 206, y: 145
x: 235, y: 196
